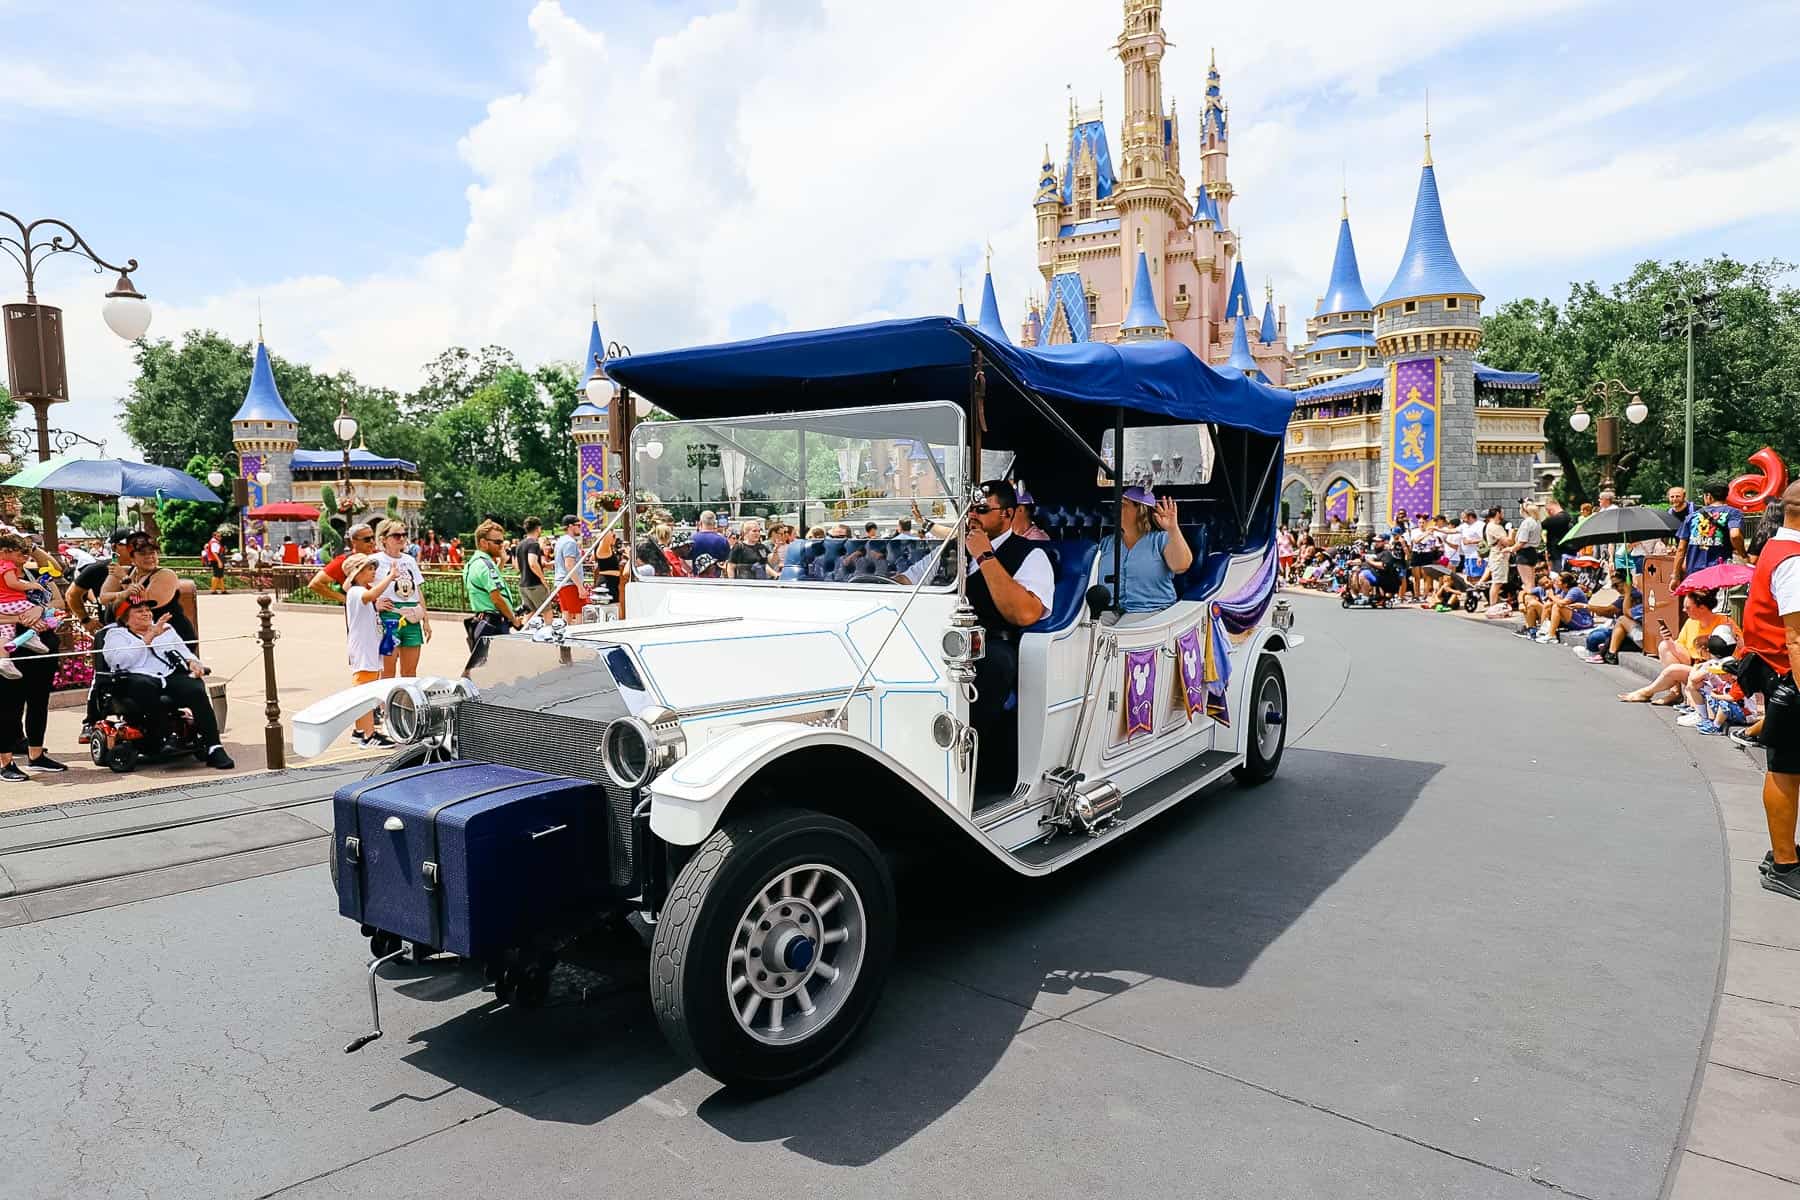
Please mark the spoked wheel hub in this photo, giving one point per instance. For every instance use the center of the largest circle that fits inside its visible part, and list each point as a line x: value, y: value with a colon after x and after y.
x: 1270, y: 716
x: 796, y: 954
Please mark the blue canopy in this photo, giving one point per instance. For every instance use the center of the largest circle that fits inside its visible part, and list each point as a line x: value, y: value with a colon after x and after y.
x: 112, y: 477
x: 929, y: 358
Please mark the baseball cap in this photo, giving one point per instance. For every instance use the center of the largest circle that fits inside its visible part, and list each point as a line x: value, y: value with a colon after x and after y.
x: 571, y: 519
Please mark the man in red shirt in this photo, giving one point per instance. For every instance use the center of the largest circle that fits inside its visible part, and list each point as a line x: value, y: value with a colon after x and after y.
x: 1771, y: 651
x: 328, y: 583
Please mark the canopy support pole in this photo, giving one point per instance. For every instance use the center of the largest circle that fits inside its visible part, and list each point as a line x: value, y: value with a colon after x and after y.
x: 1118, y: 482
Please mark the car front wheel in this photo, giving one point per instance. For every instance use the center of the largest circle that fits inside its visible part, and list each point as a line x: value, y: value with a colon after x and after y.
x: 773, y: 946
x: 1268, y: 717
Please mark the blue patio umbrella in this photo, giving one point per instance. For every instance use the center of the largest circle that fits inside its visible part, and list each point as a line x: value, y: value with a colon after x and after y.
x: 111, y: 477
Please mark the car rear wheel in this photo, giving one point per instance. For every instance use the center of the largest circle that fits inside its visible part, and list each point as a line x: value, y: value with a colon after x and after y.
x: 773, y: 947
x: 1268, y: 722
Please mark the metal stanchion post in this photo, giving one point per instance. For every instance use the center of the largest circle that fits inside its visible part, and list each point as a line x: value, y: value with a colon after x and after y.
x: 274, y: 741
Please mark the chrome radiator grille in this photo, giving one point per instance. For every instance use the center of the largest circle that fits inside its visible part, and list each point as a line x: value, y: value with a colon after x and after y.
x: 556, y: 745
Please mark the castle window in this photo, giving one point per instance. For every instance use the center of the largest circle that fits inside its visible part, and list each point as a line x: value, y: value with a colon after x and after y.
x: 1343, y: 318
x: 1084, y: 210
x: 1450, y: 303
x: 1411, y: 306
x: 1093, y: 303
x: 1137, y: 173
x: 1181, y: 290
x: 1343, y: 354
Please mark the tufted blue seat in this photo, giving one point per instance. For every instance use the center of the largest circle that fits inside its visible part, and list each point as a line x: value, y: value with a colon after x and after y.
x: 1073, y: 558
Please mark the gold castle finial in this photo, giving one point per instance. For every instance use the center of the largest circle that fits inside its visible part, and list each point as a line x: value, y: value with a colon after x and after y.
x: 1428, y: 127
x: 990, y: 258
x: 259, y: 336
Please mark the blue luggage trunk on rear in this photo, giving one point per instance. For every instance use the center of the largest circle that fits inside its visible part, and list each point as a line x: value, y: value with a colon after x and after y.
x: 471, y: 857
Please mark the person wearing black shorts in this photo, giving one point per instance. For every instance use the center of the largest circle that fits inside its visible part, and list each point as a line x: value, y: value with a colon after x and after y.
x: 1771, y: 652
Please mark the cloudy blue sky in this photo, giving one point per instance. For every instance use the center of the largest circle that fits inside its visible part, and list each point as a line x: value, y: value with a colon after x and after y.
x: 390, y: 179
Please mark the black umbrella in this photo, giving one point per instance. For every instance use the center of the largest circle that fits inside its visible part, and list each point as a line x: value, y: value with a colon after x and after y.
x: 1610, y: 526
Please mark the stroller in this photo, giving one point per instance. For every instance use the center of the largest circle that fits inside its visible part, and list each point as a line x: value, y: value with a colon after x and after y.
x: 121, y: 734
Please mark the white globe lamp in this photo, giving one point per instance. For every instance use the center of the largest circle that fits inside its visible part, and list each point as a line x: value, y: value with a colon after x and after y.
x: 264, y: 478
x: 344, y: 427
x: 600, y: 390
x: 1579, y: 420
x: 126, y: 312
x: 214, y: 478
x: 1636, y: 411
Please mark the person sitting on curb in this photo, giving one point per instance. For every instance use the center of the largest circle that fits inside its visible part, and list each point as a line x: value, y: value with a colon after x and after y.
x: 1681, y: 653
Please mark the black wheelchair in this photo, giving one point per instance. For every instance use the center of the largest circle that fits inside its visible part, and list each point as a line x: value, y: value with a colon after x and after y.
x: 123, y: 731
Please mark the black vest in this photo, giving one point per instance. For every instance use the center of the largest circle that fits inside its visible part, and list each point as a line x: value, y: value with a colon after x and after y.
x: 1012, y: 554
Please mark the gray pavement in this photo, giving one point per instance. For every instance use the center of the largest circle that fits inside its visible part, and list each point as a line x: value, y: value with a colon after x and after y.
x: 1467, y: 944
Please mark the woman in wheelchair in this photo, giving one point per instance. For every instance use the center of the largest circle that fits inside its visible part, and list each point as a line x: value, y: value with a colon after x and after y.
x: 152, y: 673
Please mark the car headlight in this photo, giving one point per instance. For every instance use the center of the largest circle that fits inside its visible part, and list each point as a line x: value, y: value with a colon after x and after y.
x: 634, y: 749
x: 415, y: 715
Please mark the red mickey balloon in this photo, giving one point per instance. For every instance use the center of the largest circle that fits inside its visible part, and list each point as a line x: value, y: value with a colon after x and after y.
x: 1752, y: 493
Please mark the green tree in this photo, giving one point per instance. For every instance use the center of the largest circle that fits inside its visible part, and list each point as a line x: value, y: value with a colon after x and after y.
x: 1744, y: 372
x: 186, y: 524
x: 513, y: 496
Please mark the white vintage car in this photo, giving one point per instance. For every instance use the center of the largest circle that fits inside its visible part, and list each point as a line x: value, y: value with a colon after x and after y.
x: 727, y: 767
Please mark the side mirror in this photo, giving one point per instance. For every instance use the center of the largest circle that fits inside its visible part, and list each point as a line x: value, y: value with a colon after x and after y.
x: 1099, y: 599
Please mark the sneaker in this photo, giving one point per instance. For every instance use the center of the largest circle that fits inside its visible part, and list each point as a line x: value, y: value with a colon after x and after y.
x: 376, y: 739
x: 1710, y: 727
x: 29, y: 643
x: 1747, y: 740
x: 219, y: 760
x: 1768, y: 861
x: 1785, y: 883
x: 11, y: 773
x: 8, y: 668
x: 1595, y: 659
x: 1525, y: 631
x: 1689, y: 719
x: 44, y: 764
x: 1684, y: 709
x: 1609, y: 658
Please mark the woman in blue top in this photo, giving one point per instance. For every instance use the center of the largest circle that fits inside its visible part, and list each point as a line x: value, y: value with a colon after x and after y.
x: 1154, y: 552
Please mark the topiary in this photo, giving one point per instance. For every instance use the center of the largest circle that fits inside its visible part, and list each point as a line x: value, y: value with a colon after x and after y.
x: 331, y: 527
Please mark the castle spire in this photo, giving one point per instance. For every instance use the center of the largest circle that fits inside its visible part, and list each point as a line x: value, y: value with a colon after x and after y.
x: 596, y: 350
x: 1237, y: 300
x: 1241, y: 358
x: 1143, y: 322
x: 961, y: 313
x: 1345, y: 291
x: 1428, y: 267
x: 990, y: 322
x: 1428, y: 127
x: 1268, y: 331
x: 263, y: 402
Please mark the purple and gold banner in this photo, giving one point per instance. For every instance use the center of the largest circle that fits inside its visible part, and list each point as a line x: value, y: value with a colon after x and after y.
x: 248, y: 466
x: 1340, y: 502
x: 590, y: 481
x: 1413, y: 445
x: 1191, y: 654
x: 1140, y: 690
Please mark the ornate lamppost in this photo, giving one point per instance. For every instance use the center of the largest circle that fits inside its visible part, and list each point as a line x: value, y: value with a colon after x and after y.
x: 37, y: 369
x: 345, y: 427
x: 1606, y: 426
x: 1687, y: 314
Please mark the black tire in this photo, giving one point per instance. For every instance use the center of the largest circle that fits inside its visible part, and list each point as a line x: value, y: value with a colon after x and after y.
x: 1261, y: 763
x: 698, y: 928
x: 97, y: 752
x: 123, y: 759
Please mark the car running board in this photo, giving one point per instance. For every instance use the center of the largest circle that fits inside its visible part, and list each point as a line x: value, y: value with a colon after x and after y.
x: 1146, y: 801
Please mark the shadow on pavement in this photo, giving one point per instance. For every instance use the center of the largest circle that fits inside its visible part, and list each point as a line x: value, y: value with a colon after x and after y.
x: 1194, y: 898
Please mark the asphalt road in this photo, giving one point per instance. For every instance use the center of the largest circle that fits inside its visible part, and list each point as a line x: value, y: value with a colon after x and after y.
x: 1466, y: 945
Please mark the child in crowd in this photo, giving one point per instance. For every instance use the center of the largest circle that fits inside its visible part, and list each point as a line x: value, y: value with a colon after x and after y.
x: 23, y: 603
x: 1721, y: 699
x: 362, y: 636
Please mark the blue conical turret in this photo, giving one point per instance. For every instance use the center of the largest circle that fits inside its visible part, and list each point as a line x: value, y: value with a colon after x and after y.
x: 961, y: 313
x: 1241, y: 358
x: 990, y: 322
x: 1237, y: 300
x: 1429, y: 266
x: 596, y: 354
x: 1267, y: 333
x: 1142, y: 321
x: 262, y: 402
x: 1345, y: 291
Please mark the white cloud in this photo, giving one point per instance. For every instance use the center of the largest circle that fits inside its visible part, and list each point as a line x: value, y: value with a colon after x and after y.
x: 130, y: 89
x: 839, y: 160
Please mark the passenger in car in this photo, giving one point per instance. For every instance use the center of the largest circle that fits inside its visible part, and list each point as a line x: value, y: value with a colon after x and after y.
x: 1025, y: 516
x: 1154, y: 552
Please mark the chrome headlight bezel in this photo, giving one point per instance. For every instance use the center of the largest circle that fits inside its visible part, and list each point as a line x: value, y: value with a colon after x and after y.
x: 636, y: 749
x: 413, y: 714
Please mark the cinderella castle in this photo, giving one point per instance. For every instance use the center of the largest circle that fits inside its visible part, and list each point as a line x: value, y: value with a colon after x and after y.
x: 1393, y: 410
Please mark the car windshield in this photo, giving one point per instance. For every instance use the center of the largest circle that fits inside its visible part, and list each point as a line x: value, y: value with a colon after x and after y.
x: 721, y: 499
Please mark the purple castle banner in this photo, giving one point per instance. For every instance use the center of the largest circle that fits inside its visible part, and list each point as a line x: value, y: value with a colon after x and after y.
x: 1340, y: 502
x: 1140, y: 690
x: 248, y: 466
x: 1190, y: 652
x: 590, y: 481
x: 1413, y: 449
